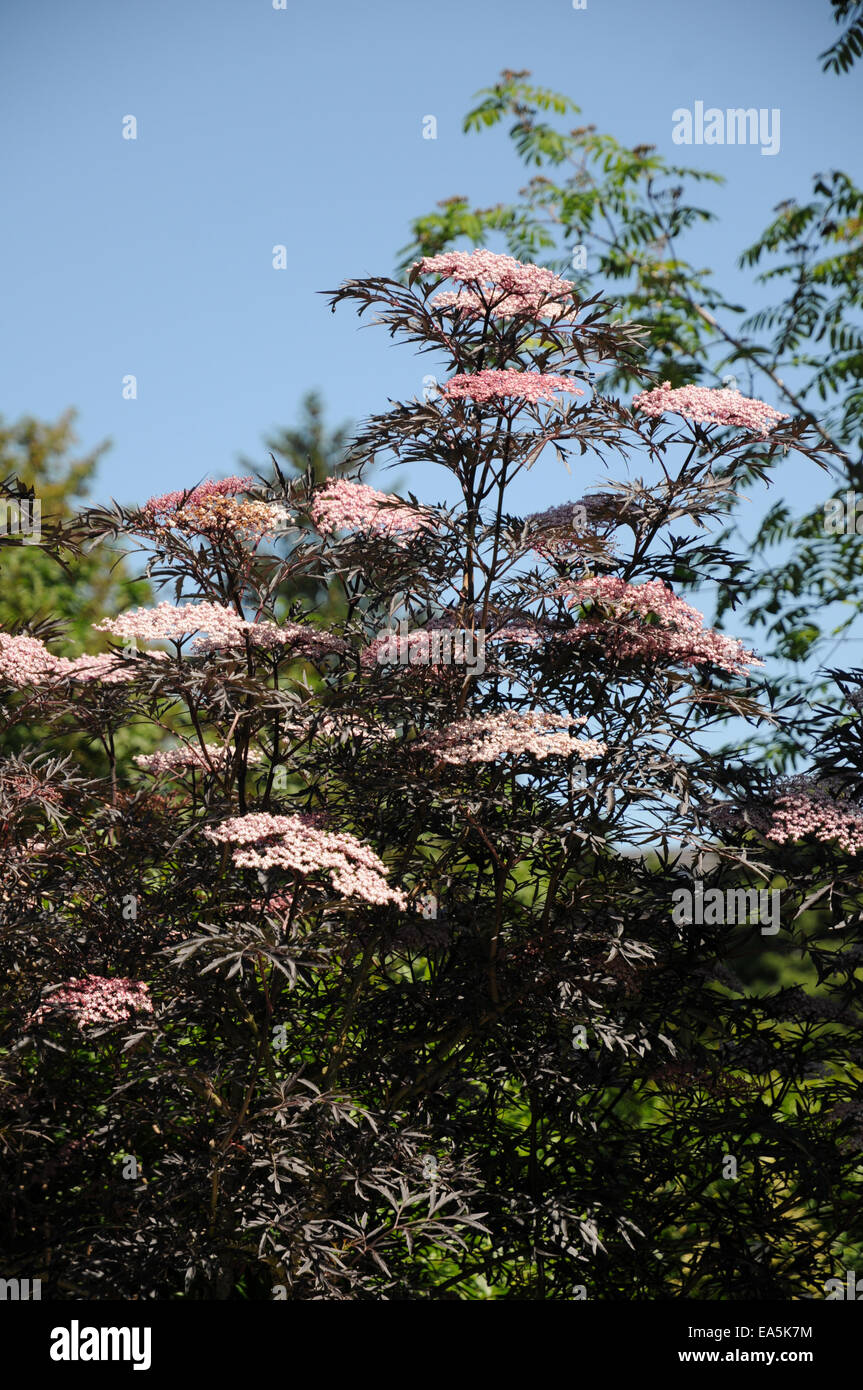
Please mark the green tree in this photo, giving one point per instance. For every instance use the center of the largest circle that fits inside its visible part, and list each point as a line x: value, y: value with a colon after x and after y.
x: 844, y: 53
x: 55, y: 586
x: 55, y: 581
x: 310, y: 449
x: 310, y: 443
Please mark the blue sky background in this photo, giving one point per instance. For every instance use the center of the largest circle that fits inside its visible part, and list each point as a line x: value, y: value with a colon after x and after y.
x: 303, y: 126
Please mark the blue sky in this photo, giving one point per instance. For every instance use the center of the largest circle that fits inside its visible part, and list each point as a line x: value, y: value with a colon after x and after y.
x: 303, y: 127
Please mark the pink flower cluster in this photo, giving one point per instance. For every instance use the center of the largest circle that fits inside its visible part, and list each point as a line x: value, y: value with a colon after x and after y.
x: 493, y: 736
x: 167, y: 622
x: 799, y: 808
x: 347, y: 506
x: 489, y: 385
x: 297, y: 843
x: 225, y: 487
x: 170, y: 759
x: 307, y: 643
x: 706, y: 405
x: 525, y: 634
x: 23, y: 786
x: 500, y: 285
x: 225, y: 628
x: 212, y: 508
x: 96, y: 999
x: 26, y: 661
x: 103, y: 667
x: 679, y: 635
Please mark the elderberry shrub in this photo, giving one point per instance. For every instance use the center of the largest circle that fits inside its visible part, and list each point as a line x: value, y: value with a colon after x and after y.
x: 368, y: 983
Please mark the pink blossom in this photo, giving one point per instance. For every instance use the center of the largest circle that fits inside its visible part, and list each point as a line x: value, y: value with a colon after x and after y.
x: 307, y: 643
x: 168, y: 622
x: 496, y: 305
x: 499, y: 283
x: 490, y: 385
x: 706, y: 405
x: 679, y: 635
x: 345, y: 506
x: 223, y: 516
x: 225, y: 487
x: 297, y: 843
x: 225, y: 629
x: 527, y: 634
x: 799, y: 807
x: 171, y: 759
x: 25, y: 661
x: 492, y: 736
x: 104, y: 667
x: 96, y: 999
x: 466, y: 302
x: 211, y: 509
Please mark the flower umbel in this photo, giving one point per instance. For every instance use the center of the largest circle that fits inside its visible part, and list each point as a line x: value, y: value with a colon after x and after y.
x: 532, y: 732
x: 95, y: 1000
x: 500, y: 285
x: 706, y: 405
x: 298, y: 844
x: 799, y: 808
x: 345, y: 506
x: 489, y: 385
x: 656, y: 624
x: 211, y: 509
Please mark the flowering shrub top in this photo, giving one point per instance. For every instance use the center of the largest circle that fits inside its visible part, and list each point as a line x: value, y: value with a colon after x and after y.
x: 395, y: 963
